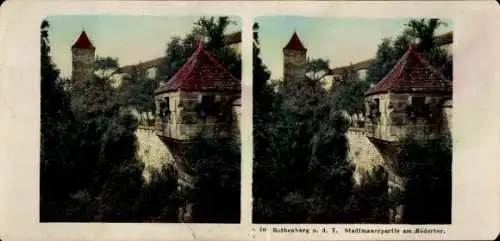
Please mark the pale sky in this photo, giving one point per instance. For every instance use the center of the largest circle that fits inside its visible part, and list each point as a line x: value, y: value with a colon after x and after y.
x: 131, y: 39
x: 341, y: 41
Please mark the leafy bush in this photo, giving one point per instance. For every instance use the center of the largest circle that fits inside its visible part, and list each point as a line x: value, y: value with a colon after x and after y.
x: 426, y: 167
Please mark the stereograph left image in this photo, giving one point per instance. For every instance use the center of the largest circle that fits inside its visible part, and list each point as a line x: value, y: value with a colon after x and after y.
x: 140, y: 119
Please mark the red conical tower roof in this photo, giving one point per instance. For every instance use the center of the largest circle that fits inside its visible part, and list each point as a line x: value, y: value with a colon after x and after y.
x: 412, y: 73
x: 83, y: 42
x: 295, y: 43
x: 202, y: 72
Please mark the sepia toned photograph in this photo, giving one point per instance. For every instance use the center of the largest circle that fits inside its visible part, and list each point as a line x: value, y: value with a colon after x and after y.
x: 140, y: 119
x: 352, y: 120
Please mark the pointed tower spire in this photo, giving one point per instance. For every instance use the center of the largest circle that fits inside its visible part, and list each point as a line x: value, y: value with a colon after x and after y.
x: 295, y: 43
x: 295, y: 60
x: 83, y: 42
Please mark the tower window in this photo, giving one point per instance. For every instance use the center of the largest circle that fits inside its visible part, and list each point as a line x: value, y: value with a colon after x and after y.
x: 418, y: 103
x: 165, y: 107
x: 374, y: 109
x: 207, y: 99
x: 208, y: 104
x: 418, y: 107
x: 167, y: 103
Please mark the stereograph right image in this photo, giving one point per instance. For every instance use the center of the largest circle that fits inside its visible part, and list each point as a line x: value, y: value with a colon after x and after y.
x: 352, y: 120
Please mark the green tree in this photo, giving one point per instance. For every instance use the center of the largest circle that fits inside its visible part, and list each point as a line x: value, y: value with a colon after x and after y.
x: 109, y: 173
x: 301, y: 172
x: 369, y: 202
x: 177, y: 52
x: 401, y: 43
x: 317, y: 69
x: 106, y: 67
x: 425, y: 165
x: 216, y: 163
x: 214, y: 29
x: 349, y: 96
x: 424, y: 31
x: 89, y: 168
x: 349, y: 74
x: 57, y: 122
x: 216, y: 173
x: 384, y: 61
x: 137, y: 92
x: 159, y: 200
x: 210, y: 29
x: 262, y: 91
x: 95, y: 96
x: 417, y: 31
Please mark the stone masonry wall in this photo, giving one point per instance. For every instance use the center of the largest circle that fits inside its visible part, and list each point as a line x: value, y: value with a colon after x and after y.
x: 151, y: 150
x: 362, y: 152
x: 294, y: 65
x: 82, y: 64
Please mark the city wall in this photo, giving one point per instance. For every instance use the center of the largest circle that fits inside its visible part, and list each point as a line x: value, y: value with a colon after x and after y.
x: 151, y: 150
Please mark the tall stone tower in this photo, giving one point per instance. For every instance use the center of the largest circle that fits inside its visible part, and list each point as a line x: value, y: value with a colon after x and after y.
x: 294, y: 56
x: 83, y: 54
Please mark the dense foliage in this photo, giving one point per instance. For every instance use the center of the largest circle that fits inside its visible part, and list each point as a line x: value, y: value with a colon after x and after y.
x: 302, y: 173
x: 370, y: 201
x: 317, y: 69
x: 89, y: 167
x: 420, y: 32
x: 137, y: 91
x: 214, y: 163
x: 426, y: 167
x: 349, y: 96
x: 348, y: 93
x: 56, y: 120
x: 216, y: 171
x: 209, y: 28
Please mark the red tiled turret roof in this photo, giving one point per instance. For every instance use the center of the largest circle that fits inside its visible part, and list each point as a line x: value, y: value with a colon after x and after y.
x: 202, y: 72
x: 295, y: 43
x: 412, y: 73
x: 83, y: 42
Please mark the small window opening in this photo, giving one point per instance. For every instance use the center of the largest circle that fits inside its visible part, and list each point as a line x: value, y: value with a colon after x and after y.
x: 167, y: 103
x: 208, y: 104
x: 165, y: 107
x: 418, y: 104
